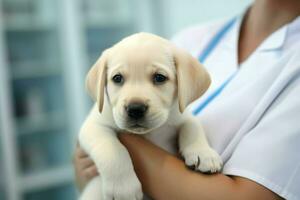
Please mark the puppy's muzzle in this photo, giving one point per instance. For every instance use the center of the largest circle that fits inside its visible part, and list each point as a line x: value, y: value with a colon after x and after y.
x: 136, y: 110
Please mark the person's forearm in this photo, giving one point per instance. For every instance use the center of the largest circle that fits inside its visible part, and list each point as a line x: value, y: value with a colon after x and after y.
x: 164, y: 176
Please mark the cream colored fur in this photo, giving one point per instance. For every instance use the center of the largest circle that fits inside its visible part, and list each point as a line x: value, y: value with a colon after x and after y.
x: 138, y: 58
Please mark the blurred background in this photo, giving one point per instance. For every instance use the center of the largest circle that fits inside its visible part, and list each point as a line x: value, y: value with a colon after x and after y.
x: 46, y: 49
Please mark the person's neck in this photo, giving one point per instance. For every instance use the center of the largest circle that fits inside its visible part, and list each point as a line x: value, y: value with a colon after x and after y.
x: 262, y: 19
x: 266, y: 16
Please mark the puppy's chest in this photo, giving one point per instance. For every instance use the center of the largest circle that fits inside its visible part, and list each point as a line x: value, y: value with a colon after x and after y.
x: 164, y: 137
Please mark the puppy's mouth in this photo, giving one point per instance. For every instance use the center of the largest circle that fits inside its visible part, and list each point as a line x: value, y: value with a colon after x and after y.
x: 143, y: 125
x: 137, y: 128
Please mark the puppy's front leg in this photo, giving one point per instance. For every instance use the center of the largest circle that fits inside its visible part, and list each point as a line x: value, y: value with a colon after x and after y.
x: 119, y: 180
x: 195, y: 149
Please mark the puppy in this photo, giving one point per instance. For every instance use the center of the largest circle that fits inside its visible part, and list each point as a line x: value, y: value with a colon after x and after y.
x: 142, y: 85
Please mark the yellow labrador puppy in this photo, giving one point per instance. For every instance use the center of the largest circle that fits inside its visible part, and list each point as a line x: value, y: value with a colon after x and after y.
x: 142, y: 85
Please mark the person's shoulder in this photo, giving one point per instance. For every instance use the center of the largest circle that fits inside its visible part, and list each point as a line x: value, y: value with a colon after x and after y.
x: 196, y: 36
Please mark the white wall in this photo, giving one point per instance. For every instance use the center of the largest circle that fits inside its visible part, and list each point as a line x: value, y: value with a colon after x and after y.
x: 178, y: 14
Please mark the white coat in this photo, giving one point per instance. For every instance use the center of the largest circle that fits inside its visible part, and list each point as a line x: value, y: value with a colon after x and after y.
x: 254, y: 123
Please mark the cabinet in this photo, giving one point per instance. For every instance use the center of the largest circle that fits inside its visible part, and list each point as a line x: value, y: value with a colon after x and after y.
x: 46, y: 49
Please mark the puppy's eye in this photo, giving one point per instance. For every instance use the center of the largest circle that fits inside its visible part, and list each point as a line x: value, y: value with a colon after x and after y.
x: 159, y: 78
x: 118, y: 79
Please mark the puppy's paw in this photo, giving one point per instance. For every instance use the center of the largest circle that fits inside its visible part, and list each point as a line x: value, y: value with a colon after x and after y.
x: 127, y: 187
x: 205, y: 160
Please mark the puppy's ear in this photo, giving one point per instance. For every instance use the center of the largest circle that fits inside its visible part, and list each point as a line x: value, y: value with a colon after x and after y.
x: 96, y: 80
x: 192, y: 78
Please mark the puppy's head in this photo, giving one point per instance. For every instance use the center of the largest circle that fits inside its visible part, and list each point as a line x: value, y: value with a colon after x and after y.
x: 143, y: 77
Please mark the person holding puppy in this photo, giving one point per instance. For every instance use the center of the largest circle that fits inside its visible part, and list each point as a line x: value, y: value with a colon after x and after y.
x: 250, y: 113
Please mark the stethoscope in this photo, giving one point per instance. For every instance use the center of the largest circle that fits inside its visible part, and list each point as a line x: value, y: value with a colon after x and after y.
x: 202, y: 58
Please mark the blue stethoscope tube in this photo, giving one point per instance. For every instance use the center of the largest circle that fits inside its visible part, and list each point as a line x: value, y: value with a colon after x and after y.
x: 205, y: 53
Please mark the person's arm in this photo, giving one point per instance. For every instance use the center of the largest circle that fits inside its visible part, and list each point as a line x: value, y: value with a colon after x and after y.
x: 84, y: 168
x: 163, y: 176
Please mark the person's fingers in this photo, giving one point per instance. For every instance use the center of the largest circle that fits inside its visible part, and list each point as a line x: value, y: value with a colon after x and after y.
x: 91, y: 172
x: 86, y: 162
x: 85, y: 168
x: 80, y: 152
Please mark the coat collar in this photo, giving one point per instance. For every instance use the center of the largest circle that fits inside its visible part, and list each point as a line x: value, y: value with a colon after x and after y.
x: 273, y: 42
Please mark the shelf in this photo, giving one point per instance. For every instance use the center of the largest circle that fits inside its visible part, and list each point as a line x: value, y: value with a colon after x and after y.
x: 46, y: 179
x: 36, y: 28
x: 106, y: 23
x: 24, y: 70
x: 27, y: 25
x: 41, y: 123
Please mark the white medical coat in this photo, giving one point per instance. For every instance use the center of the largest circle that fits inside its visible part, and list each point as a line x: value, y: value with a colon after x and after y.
x: 255, y: 122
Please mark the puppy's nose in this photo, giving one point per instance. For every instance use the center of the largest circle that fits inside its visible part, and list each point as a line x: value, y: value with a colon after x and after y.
x: 136, y: 110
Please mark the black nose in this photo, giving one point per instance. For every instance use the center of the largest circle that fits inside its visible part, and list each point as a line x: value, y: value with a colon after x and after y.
x: 136, y: 110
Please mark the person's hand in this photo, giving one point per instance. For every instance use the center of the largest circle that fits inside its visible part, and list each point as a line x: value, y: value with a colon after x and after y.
x: 84, y: 167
